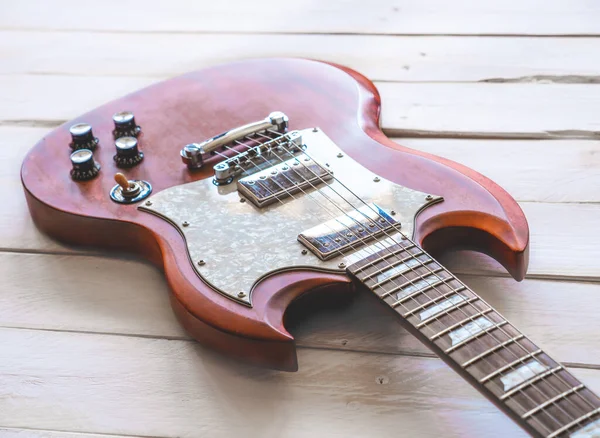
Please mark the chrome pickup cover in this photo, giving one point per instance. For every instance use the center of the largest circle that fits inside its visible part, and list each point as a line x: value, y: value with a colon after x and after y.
x: 239, y: 243
x: 348, y: 231
x: 282, y: 180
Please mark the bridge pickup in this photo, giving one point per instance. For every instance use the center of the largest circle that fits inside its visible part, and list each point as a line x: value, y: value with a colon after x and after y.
x: 348, y: 232
x: 282, y: 180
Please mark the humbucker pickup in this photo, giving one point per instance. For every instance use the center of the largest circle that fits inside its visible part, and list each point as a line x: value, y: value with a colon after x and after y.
x: 348, y: 232
x: 282, y: 180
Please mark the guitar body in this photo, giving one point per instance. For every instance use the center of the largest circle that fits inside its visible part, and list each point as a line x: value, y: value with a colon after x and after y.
x: 475, y: 213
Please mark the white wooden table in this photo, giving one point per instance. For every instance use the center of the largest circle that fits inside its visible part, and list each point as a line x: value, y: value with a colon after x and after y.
x: 89, y: 345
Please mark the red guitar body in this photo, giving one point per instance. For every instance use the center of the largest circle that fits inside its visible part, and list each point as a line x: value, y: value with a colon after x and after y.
x: 476, y: 213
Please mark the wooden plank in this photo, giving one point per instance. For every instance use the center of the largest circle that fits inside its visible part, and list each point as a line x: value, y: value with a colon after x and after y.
x: 464, y: 17
x: 17, y: 231
x: 383, y: 58
x: 490, y: 110
x: 561, y: 233
x: 6, y: 432
x: 531, y: 171
x: 77, y: 293
x: 409, y: 110
x: 563, y: 238
x: 149, y: 387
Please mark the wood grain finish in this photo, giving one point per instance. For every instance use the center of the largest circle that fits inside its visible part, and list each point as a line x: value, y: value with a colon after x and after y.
x: 382, y: 57
x: 75, y: 42
x: 513, y: 110
x: 74, y: 294
x: 170, y: 388
x: 204, y: 103
x: 577, y: 17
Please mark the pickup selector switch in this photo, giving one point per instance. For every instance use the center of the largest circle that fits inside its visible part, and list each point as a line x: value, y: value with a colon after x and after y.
x: 125, y: 125
x: 82, y: 137
x: 84, y: 166
x: 129, y: 191
x: 128, y: 153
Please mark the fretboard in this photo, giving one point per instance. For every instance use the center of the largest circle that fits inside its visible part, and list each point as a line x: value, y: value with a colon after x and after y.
x: 477, y: 342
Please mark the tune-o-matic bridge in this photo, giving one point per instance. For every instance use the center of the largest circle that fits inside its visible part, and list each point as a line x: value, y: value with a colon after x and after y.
x: 348, y: 231
x: 278, y: 149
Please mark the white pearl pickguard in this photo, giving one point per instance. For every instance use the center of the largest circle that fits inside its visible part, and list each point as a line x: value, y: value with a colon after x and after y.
x: 239, y: 243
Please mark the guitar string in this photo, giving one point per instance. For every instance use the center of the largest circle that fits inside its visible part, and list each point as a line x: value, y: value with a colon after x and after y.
x: 425, y: 265
x: 485, y: 361
x: 461, y: 309
x: 517, y: 343
x: 527, y: 363
x: 412, y: 256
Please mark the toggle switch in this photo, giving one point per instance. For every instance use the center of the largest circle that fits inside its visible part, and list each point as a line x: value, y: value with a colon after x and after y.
x: 129, y: 191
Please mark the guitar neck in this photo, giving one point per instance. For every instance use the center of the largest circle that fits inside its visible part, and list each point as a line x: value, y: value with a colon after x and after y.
x: 477, y: 341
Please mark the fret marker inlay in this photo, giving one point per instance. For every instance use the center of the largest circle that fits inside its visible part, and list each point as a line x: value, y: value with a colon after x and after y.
x: 592, y: 430
x: 446, y: 304
x: 417, y: 285
x: 470, y: 329
x: 402, y: 267
x: 523, y: 373
x: 444, y: 311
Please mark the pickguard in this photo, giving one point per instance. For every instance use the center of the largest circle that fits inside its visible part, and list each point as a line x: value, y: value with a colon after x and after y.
x: 233, y: 244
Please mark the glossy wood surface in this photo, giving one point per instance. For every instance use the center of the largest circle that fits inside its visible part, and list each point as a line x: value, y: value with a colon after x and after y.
x: 199, y: 105
x: 63, y: 59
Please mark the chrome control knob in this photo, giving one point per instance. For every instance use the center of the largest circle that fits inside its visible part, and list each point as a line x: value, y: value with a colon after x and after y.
x: 128, y: 153
x: 84, y: 166
x: 125, y: 125
x: 82, y: 137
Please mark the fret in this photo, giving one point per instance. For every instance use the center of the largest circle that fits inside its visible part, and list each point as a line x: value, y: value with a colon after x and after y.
x: 510, y: 365
x: 530, y: 382
x: 485, y: 347
x: 574, y: 423
x: 435, y: 300
x: 444, y: 311
x: 384, y: 257
x: 551, y: 401
x: 491, y: 350
x: 459, y: 324
x: 475, y: 336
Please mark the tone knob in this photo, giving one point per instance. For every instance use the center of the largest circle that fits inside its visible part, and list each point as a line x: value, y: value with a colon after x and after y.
x: 125, y: 125
x: 82, y: 137
x: 128, y: 153
x: 84, y: 166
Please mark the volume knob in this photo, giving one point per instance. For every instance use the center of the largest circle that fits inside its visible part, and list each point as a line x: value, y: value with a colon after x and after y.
x: 128, y: 153
x: 125, y: 125
x: 84, y: 166
x: 82, y: 137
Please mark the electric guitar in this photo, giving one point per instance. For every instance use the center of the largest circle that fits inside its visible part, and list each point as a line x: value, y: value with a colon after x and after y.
x: 300, y: 193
